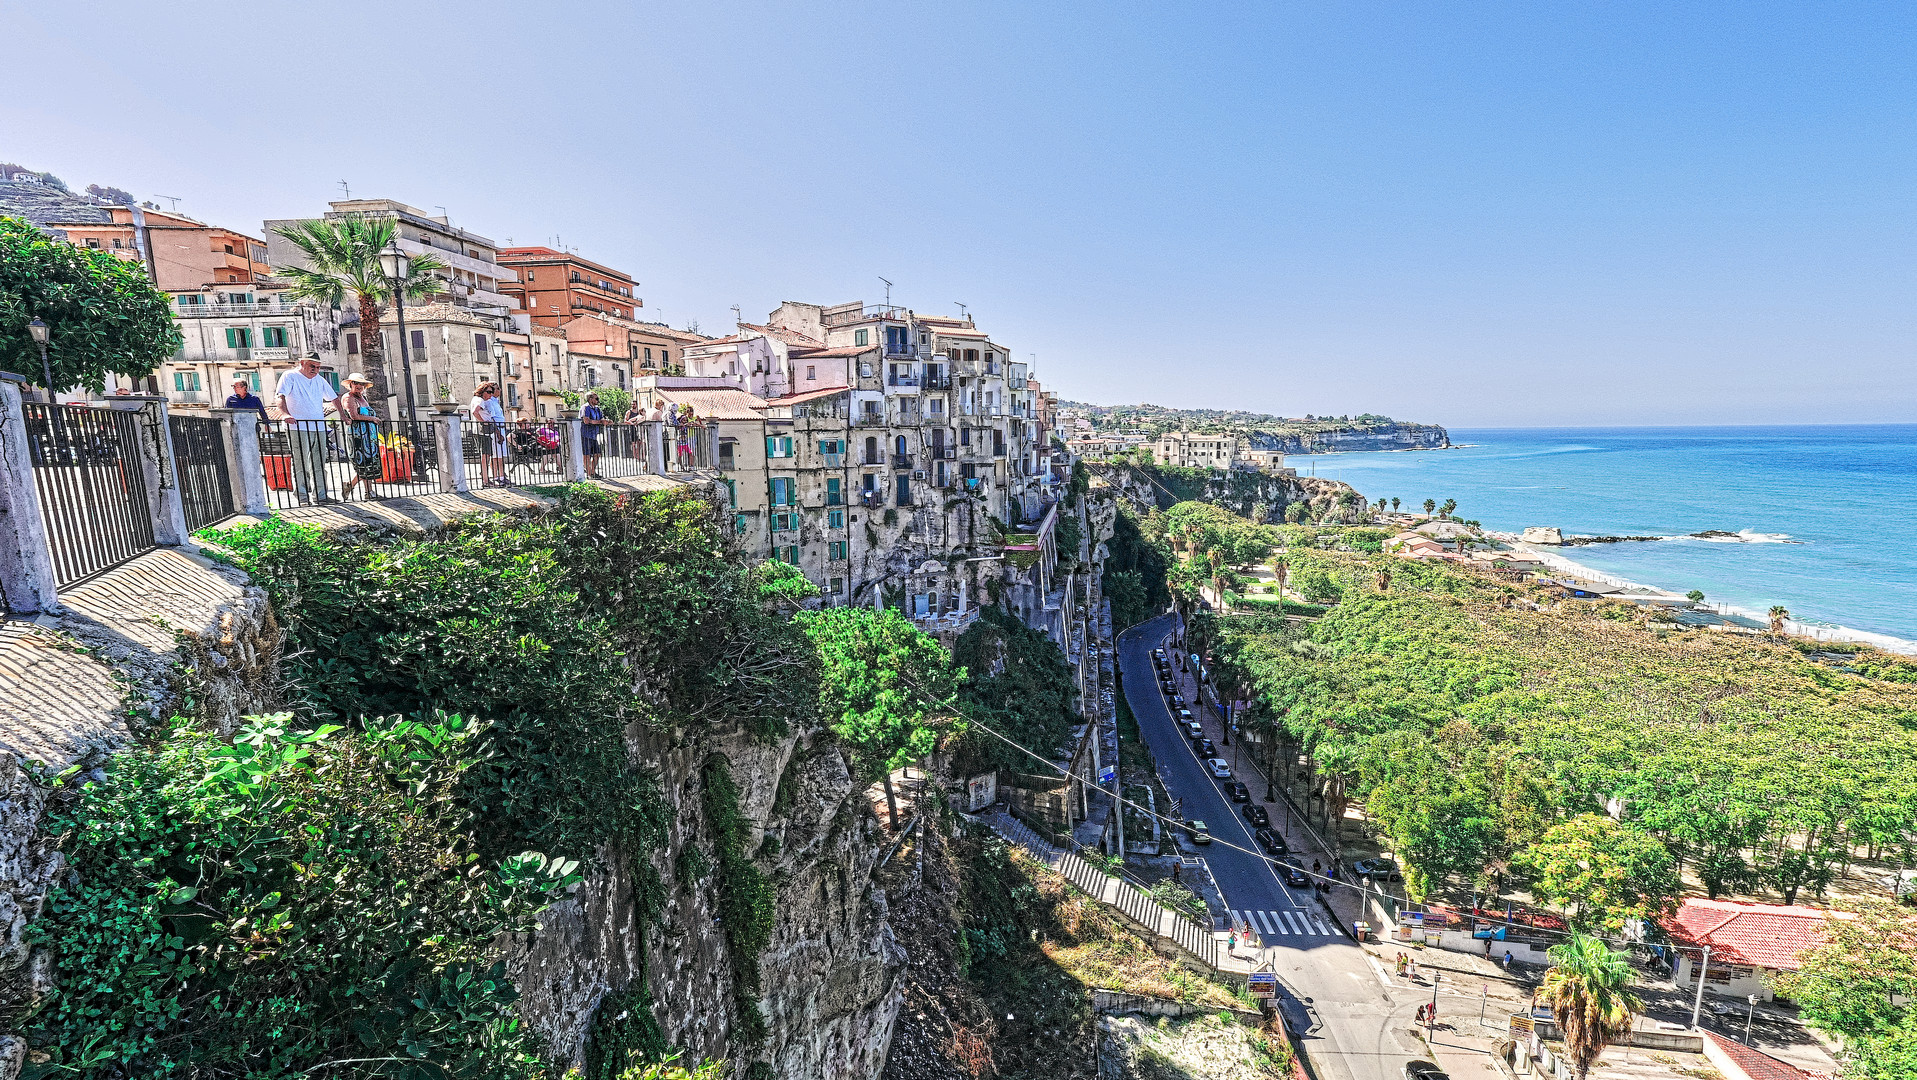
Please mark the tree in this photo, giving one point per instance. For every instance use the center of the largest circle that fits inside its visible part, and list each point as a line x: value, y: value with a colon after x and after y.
x: 1778, y: 614
x: 1449, y: 506
x: 102, y: 314
x: 1861, y: 985
x: 1588, y: 991
x: 1602, y: 873
x: 1696, y: 596
x: 1394, y: 503
x: 343, y: 265
x: 1430, y: 505
x: 885, y: 687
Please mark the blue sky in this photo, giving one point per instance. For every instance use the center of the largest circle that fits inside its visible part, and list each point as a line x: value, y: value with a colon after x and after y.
x: 1471, y: 214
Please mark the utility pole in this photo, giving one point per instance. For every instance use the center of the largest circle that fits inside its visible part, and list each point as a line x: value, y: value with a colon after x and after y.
x: 1703, y: 968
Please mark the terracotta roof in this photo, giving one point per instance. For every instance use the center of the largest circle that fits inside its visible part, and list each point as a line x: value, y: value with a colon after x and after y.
x: 717, y: 404
x: 790, y: 337
x: 1756, y: 1064
x: 842, y: 350
x: 809, y: 395
x: 1760, y: 935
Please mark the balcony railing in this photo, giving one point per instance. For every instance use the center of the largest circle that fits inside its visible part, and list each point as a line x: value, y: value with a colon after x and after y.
x: 865, y: 313
x: 903, y: 350
x: 228, y: 311
x: 940, y: 381
x: 876, y: 457
x: 943, y: 452
x: 903, y: 380
x: 834, y: 461
x: 869, y: 419
x: 872, y: 500
x: 901, y: 462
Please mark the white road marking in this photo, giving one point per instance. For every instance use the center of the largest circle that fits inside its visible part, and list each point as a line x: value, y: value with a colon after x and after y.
x: 1379, y: 968
x: 1265, y: 920
x: 1294, y: 921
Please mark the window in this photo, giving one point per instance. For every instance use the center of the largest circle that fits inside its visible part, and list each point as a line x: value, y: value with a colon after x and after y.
x: 965, y: 436
x: 972, y: 355
x: 479, y: 347
x: 833, y: 495
x: 530, y: 274
x: 273, y: 337
x: 786, y: 554
x: 811, y: 373
x: 352, y: 344
x: 835, y: 519
x: 252, y: 380
x: 648, y: 353
x: 835, y: 550
x: 184, y: 381
x: 784, y: 522
x: 726, y: 448
x: 635, y: 353
x: 732, y: 492
x: 419, y: 341
x: 861, y: 337
x: 835, y: 586
x: 831, y: 446
x: 239, y: 337
x: 935, y: 405
x: 512, y: 395
x: 93, y: 242
x: 229, y: 248
x: 782, y: 491
x: 739, y: 523
x: 419, y: 385
x: 925, y: 337
x: 778, y: 446
x: 905, y: 491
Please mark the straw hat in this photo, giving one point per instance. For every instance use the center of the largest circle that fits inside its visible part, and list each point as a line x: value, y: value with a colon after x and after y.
x: 359, y: 377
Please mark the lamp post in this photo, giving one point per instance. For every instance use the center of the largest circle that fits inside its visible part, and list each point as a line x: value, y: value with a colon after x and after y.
x: 396, y: 265
x: 41, y: 333
x: 1748, y: 1017
x: 499, y: 360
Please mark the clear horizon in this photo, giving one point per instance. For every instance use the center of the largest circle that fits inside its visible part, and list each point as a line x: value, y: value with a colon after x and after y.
x: 1494, y: 216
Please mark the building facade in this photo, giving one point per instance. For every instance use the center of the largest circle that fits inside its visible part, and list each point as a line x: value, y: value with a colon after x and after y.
x: 554, y: 286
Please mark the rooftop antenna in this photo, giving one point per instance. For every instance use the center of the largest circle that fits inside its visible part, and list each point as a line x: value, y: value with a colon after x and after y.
x: 175, y: 200
x: 344, y: 188
x: 736, y: 317
x: 443, y: 214
x: 964, y: 313
x: 888, y: 293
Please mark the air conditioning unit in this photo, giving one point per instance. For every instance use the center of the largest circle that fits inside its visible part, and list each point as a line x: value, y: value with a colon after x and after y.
x: 918, y: 474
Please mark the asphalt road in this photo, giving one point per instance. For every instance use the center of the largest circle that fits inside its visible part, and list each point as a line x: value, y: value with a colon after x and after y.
x: 1354, y: 1024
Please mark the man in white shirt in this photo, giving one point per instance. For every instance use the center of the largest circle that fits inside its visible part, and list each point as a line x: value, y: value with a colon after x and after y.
x: 303, y: 396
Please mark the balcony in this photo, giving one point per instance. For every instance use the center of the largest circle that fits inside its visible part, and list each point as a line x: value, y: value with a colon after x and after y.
x: 876, y: 457
x: 901, y: 350
x: 872, y: 500
x: 938, y: 381
x: 941, y: 452
x: 211, y: 311
x: 869, y: 419
x: 866, y: 313
x: 834, y: 461
x: 898, y: 379
x: 902, y: 462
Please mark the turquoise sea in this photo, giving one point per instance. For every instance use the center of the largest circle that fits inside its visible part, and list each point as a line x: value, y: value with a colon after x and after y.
x: 1827, y: 514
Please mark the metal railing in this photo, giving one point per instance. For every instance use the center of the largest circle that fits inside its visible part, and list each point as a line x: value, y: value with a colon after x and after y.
x: 873, y: 457
x: 199, y: 459
x: 613, y: 449
x: 92, y: 486
x: 902, y: 380
x: 864, y: 312
x: 901, y: 461
x: 872, y: 500
x: 870, y: 419
x: 899, y: 350
x: 516, y: 454
x: 316, y: 461
x: 232, y: 310
x: 939, y: 381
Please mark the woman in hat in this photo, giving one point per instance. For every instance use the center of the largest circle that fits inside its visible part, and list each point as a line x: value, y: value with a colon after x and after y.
x: 354, y: 408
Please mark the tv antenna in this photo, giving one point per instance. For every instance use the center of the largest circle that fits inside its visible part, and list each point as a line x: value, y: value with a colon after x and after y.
x: 175, y: 200
x: 736, y: 317
x: 888, y: 292
x: 964, y: 312
x: 347, y: 190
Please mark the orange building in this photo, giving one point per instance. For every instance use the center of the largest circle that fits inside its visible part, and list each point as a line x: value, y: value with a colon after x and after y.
x: 187, y: 255
x: 555, y: 286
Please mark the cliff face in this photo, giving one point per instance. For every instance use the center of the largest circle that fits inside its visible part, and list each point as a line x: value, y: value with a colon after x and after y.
x: 1384, y: 437
x: 830, y: 975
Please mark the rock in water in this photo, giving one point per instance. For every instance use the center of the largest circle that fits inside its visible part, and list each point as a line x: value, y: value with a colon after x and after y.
x: 1542, y: 534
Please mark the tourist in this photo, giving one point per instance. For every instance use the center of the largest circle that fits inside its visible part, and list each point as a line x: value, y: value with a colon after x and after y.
x: 1507, y: 960
x: 354, y: 408
x: 591, y: 417
x: 242, y: 397
x: 484, y: 411
x: 1402, y: 961
x: 302, y: 403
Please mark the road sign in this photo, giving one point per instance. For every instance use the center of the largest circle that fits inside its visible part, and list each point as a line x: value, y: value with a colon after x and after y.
x: 1108, y: 774
x: 1264, y: 984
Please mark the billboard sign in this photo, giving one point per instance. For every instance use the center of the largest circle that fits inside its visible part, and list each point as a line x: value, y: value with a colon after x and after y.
x: 1264, y: 984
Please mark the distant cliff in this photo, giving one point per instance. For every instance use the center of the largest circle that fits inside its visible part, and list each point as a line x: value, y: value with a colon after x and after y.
x: 1391, y: 436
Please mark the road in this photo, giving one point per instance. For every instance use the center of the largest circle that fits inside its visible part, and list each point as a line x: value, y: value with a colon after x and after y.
x: 1354, y: 1023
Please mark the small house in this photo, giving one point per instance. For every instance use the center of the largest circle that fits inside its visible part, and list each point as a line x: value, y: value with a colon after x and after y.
x: 1750, y: 943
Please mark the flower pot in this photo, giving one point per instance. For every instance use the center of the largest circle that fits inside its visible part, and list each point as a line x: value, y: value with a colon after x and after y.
x: 279, y: 471
x: 395, y: 466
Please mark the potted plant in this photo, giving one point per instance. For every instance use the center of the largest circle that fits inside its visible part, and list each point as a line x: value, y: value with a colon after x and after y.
x: 395, y: 458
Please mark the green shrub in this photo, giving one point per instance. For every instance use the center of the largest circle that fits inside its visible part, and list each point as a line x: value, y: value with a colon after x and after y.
x: 747, y: 898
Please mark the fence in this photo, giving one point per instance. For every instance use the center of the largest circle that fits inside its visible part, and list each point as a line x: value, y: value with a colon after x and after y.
x: 309, y: 461
x: 517, y: 454
x: 88, y: 472
x: 614, y: 449
x: 199, y: 459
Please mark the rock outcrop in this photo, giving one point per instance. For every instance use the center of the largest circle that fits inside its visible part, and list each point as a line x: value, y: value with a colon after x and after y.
x: 1393, y: 436
x: 1542, y: 534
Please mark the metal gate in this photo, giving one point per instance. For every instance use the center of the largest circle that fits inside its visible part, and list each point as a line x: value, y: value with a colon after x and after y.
x: 199, y: 456
x: 92, y: 486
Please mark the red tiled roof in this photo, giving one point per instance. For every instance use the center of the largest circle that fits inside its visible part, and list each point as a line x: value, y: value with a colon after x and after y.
x: 1756, y: 1064
x: 790, y: 337
x: 794, y: 399
x: 1761, y: 935
x: 842, y: 350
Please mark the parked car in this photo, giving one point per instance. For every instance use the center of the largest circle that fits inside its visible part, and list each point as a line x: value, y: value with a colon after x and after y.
x: 1256, y: 815
x: 1175, y: 701
x: 1270, y: 841
x: 1220, y: 768
x: 1193, y: 729
x: 1385, y: 869
x: 1159, y: 655
x: 1198, y: 833
x: 1294, y: 874
x: 1238, y: 792
x: 1184, y: 715
x: 1205, y: 748
x: 1424, y: 1070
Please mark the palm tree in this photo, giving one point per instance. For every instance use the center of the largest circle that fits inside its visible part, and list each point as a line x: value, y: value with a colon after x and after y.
x: 1588, y: 990
x: 1281, y: 568
x: 1430, y: 505
x: 1394, y: 504
x: 1778, y: 614
x: 1449, y: 505
x: 343, y: 264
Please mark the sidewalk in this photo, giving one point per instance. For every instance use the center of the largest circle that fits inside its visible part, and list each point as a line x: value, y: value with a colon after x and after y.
x: 1343, y: 904
x: 1467, y: 988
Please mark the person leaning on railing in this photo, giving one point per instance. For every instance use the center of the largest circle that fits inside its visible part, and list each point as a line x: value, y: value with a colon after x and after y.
x: 590, y: 418
x: 242, y: 397
x: 302, y: 402
x: 354, y: 408
x: 485, y: 412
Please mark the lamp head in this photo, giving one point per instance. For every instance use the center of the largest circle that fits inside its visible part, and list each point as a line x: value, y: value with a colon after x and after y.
x: 39, y: 330
x: 394, y: 263
x: 499, y: 350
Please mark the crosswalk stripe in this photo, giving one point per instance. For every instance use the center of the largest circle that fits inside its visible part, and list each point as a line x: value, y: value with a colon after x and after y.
x: 1264, y: 921
x: 1237, y: 917
x: 1300, y: 925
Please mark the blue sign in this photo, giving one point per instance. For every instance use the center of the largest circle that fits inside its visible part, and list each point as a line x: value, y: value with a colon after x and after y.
x: 1108, y: 774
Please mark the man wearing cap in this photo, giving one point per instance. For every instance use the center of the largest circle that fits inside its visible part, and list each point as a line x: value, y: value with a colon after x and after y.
x: 303, y: 396
x: 243, y: 397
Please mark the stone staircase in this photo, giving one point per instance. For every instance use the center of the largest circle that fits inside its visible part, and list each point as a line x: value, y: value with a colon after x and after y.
x: 1144, y: 914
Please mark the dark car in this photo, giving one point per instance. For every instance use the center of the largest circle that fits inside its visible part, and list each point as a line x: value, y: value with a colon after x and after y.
x: 1238, y: 792
x: 1256, y: 815
x: 1423, y: 1070
x: 1294, y: 874
x: 1159, y: 655
x: 1205, y: 748
x: 1384, y: 869
x: 1174, y: 700
x: 1270, y: 841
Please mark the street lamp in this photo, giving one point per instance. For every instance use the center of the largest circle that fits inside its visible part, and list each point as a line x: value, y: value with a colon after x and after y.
x: 1747, y: 1018
x: 41, y: 333
x: 397, y: 265
x: 499, y: 361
